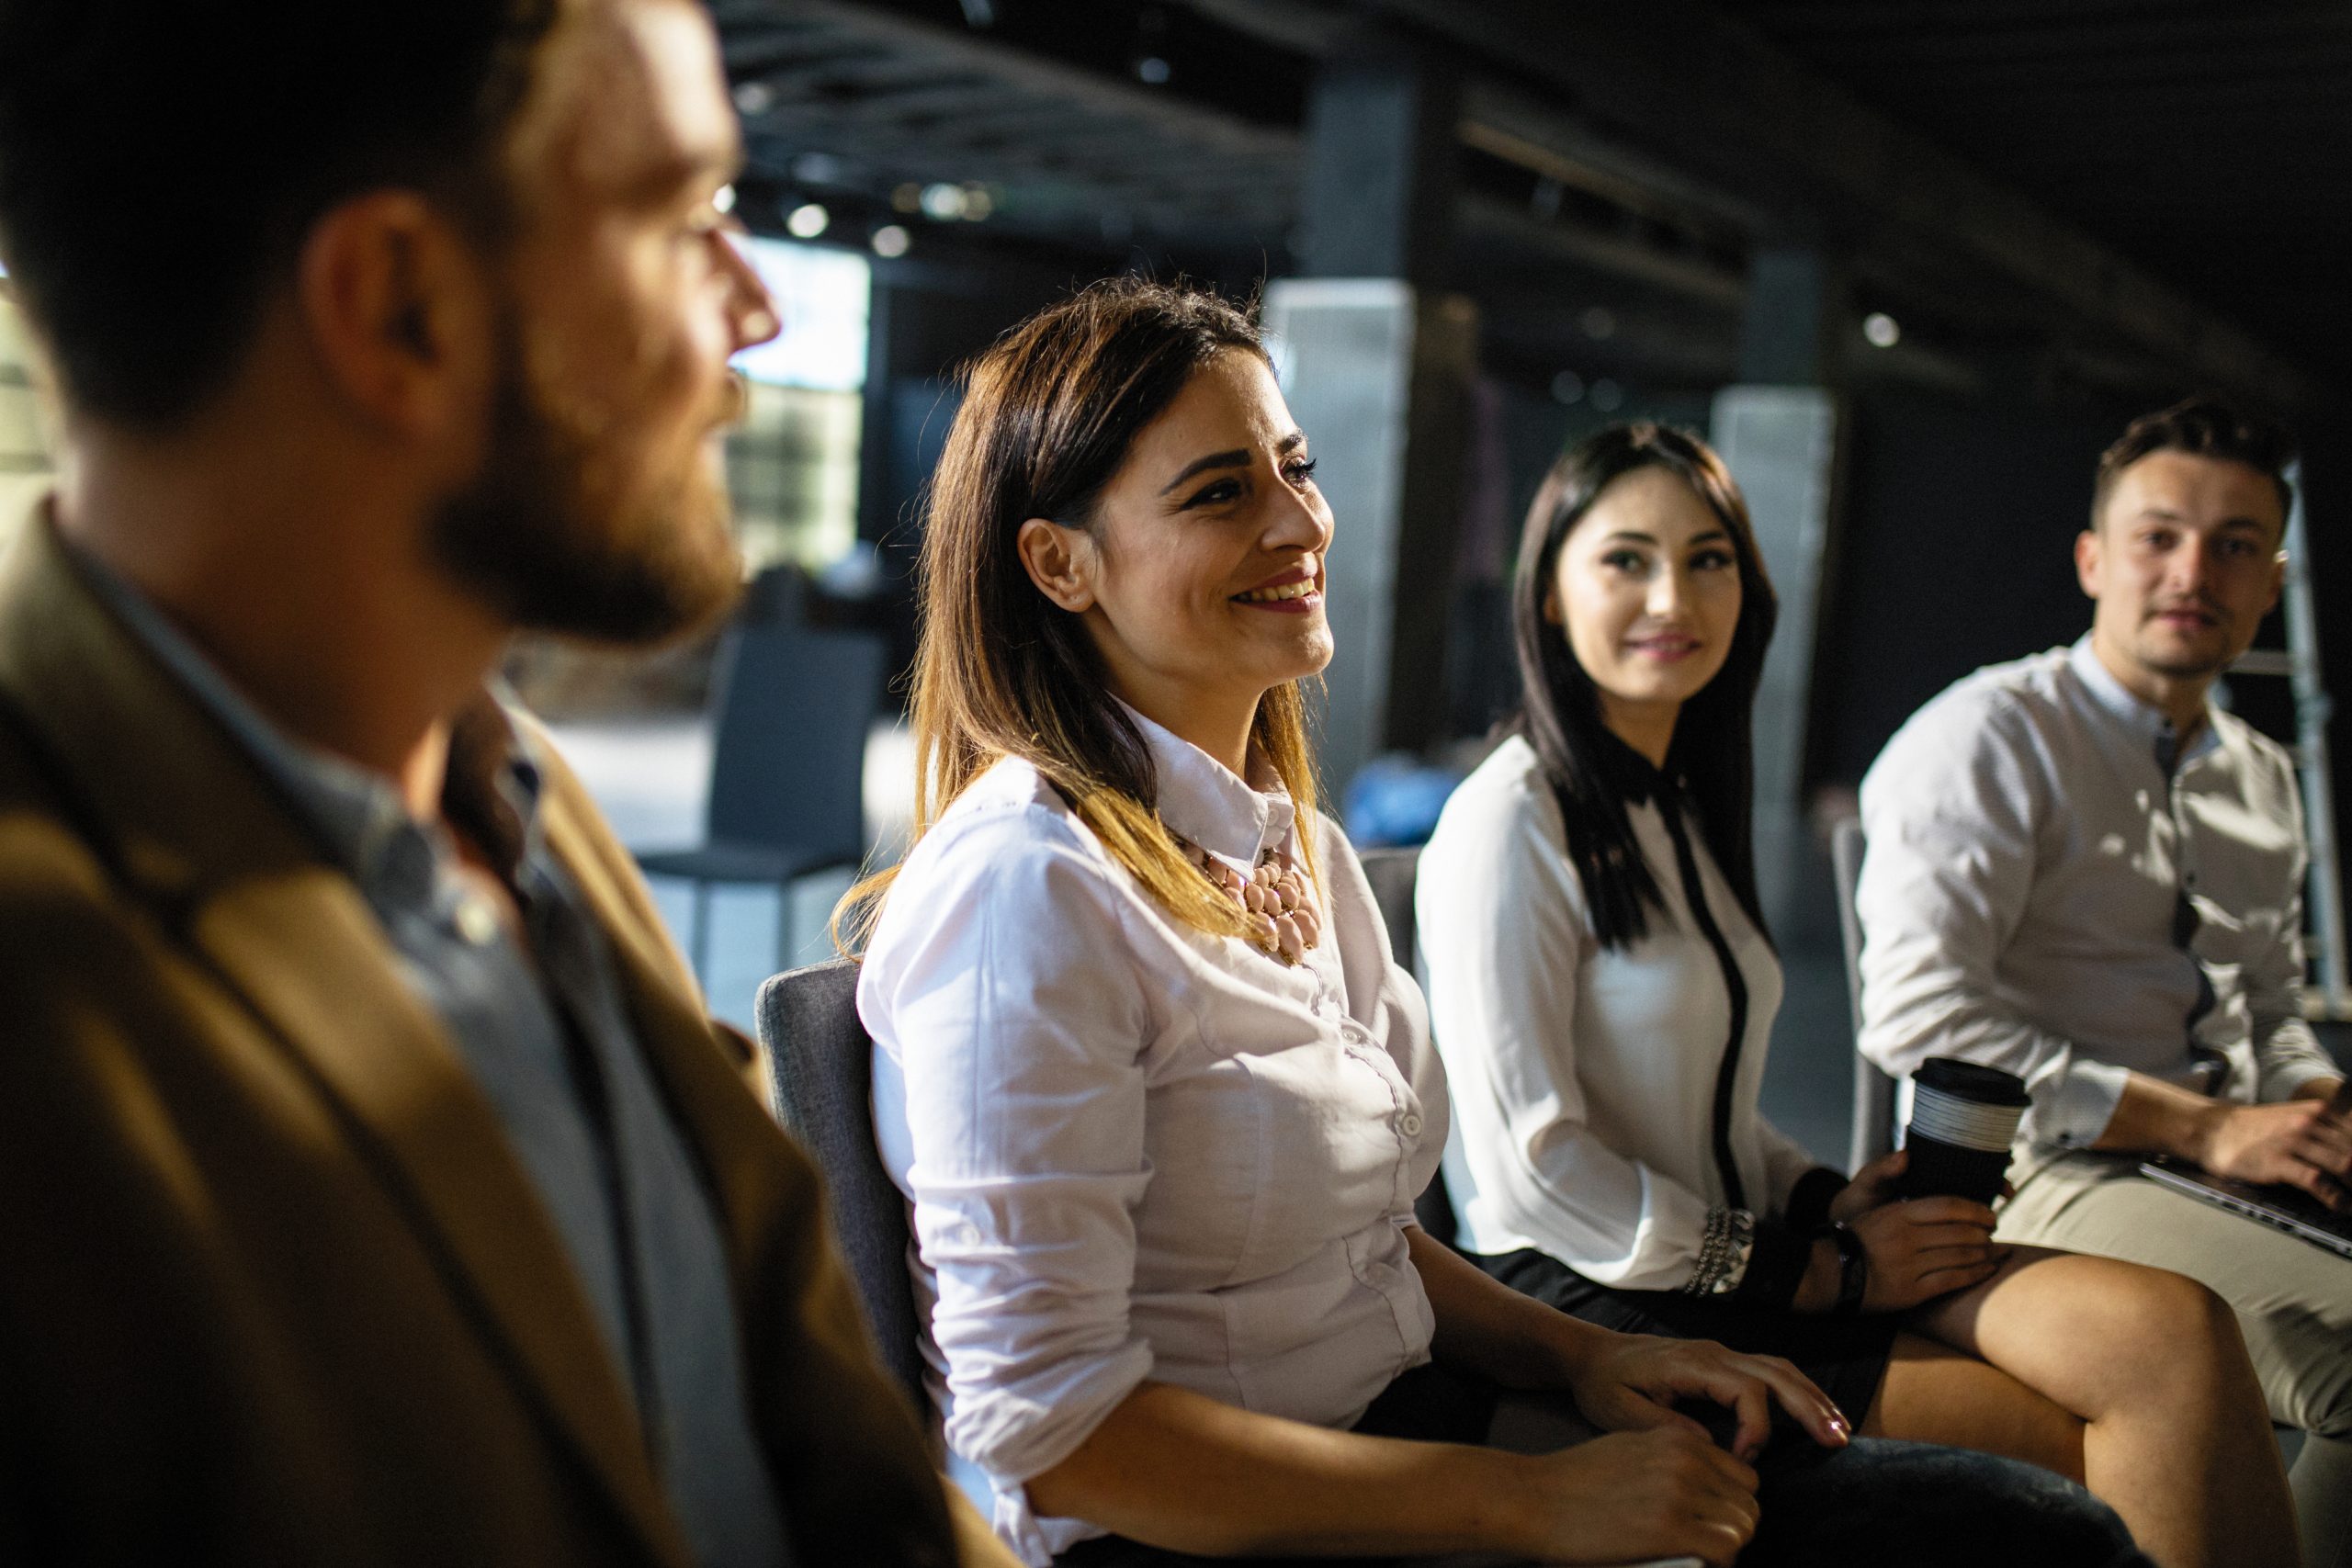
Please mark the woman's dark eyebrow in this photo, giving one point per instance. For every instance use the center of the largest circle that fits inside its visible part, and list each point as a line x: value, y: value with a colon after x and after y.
x: 1711, y: 536
x: 1236, y: 458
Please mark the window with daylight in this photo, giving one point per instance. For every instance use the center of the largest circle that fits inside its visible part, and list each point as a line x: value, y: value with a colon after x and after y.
x: 792, y: 467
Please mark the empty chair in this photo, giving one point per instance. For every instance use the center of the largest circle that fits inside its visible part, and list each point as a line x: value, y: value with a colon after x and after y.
x: 787, y: 773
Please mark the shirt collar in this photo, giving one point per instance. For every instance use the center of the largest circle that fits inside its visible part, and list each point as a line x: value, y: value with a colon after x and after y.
x: 2142, y: 720
x: 1201, y: 799
x: 1634, y: 776
x: 358, y: 816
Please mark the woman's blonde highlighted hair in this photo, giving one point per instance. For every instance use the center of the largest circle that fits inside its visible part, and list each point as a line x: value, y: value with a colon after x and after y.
x: 1049, y: 415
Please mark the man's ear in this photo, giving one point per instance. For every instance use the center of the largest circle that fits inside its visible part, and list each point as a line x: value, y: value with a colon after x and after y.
x: 2089, y: 552
x: 1061, y: 561
x: 393, y: 303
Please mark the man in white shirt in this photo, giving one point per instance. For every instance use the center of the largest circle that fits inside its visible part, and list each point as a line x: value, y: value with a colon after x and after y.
x: 2081, y: 871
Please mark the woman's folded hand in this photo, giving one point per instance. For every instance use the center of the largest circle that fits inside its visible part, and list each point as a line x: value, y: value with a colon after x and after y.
x: 1631, y: 1382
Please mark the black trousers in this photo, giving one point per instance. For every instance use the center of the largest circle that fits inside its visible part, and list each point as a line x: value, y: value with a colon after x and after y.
x: 1876, y: 1502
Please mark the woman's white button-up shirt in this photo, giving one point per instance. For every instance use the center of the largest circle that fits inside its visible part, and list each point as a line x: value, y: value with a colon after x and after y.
x: 1136, y: 1151
x: 1585, y: 1077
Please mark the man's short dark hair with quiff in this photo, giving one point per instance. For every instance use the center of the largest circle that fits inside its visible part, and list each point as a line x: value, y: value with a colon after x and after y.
x: 161, y: 162
x: 2202, y: 427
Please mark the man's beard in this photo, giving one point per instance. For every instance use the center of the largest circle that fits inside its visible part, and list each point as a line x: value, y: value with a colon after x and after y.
x: 554, y: 540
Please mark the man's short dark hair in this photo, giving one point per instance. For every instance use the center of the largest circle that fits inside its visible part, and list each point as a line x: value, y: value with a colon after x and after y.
x: 161, y: 160
x: 2202, y: 427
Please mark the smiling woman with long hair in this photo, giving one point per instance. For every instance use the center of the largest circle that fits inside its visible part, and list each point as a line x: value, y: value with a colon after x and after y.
x: 1160, y: 1099
x: 1603, y: 989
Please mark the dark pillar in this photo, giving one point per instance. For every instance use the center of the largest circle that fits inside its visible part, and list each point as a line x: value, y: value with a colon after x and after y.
x: 1378, y: 366
x: 1378, y: 200
x: 1797, y: 330
x: 1781, y: 430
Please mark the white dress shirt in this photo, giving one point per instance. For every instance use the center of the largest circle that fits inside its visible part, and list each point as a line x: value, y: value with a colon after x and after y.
x: 2026, y: 857
x: 1135, y: 1150
x: 1583, y: 1080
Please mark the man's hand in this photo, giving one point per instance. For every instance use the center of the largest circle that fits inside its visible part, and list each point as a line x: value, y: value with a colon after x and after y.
x: 1925, y: 1248
x: 1918, y: 1248
x: 1873, y: 1187
x: 1630, y: 1381
x: 2301, y: 1143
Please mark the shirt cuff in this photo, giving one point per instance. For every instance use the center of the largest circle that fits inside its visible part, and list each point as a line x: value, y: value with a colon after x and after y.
x: 2281, y: 1081
x: 2073, y: 1108
x: 1015, y: 1432
x: 1776, y: 1268
x: 2291, y: 1059
x: 1808, y: 1207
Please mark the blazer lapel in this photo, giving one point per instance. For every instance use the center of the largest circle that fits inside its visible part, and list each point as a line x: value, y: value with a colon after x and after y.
x: 192, y: 826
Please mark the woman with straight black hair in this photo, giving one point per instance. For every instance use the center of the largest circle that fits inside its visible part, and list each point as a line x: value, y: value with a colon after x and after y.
x: 1603, y: 989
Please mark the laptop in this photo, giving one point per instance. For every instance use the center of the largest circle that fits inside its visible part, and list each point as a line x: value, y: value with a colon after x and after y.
x: 2289, y: 1209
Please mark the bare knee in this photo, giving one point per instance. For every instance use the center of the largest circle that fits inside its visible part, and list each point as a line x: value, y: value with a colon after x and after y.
x: 2169, y: 1324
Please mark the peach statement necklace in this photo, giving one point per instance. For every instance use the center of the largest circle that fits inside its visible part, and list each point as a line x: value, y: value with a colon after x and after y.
x: 1282, y: 917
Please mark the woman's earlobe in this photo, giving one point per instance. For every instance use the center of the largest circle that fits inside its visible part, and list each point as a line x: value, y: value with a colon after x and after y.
x: 1059, y: 561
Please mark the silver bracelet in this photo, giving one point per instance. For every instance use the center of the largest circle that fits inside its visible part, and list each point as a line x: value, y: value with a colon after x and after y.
x: 1723, y: 1252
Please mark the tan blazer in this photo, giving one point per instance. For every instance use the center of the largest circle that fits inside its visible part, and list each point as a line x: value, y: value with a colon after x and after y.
x: 273, y: 1288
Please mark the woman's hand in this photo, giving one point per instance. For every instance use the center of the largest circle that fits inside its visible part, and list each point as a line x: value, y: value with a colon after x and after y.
x: 1925, y: 1248
x: 1638, y: 1495
x: 1917, y: 1248
x: 1873, y: 1187
x: 1629, y: 1382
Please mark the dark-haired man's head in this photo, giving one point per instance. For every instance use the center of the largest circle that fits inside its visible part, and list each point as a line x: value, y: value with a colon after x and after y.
x: 483, y: 231
x: 2183, y: 554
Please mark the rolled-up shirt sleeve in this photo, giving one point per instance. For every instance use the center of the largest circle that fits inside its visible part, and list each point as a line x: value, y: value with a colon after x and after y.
x: 1950, y: 812
x: 1502, y: 932
x: 1010, y: 997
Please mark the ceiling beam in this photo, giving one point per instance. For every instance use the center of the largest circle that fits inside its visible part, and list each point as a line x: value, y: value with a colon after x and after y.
x: 1727, y: 107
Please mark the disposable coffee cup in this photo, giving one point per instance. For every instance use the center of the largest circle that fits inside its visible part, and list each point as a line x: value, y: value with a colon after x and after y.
x: 1963, y: 1117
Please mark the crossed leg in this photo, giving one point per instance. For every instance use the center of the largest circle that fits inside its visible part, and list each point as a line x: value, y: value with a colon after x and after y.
x: 2131, y: 1379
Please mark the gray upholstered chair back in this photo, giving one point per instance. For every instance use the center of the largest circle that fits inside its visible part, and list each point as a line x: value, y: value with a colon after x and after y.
x: 820, y: 1060
x: 1873, y: 1123
x: 1391, y: 873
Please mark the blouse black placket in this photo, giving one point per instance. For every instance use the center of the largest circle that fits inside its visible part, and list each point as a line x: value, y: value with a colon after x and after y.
x: 1694, y: 894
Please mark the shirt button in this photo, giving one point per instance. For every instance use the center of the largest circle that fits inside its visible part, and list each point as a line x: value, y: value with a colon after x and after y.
x: 477, y: 921
x: 1409, y: 1125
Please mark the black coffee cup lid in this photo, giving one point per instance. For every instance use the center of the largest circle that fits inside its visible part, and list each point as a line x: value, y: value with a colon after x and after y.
x: 1972, y: 1081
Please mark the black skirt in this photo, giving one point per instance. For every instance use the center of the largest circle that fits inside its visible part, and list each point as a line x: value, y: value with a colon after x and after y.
x: 1876, y: 1503
x: 1844, y: 1357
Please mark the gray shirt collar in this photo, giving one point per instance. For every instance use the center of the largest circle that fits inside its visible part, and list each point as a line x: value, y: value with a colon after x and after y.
x: 2119, y: 704
x: 358, y: 816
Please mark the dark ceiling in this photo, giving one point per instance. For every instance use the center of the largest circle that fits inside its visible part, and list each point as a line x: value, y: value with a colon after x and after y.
x: 2211, y: 142
x: 2109, y: 187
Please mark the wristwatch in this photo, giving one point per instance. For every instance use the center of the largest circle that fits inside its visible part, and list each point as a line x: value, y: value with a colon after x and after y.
x: 1853, y: 1268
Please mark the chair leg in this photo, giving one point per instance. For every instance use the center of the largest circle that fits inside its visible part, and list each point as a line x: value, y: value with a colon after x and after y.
x: 698, y: 935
